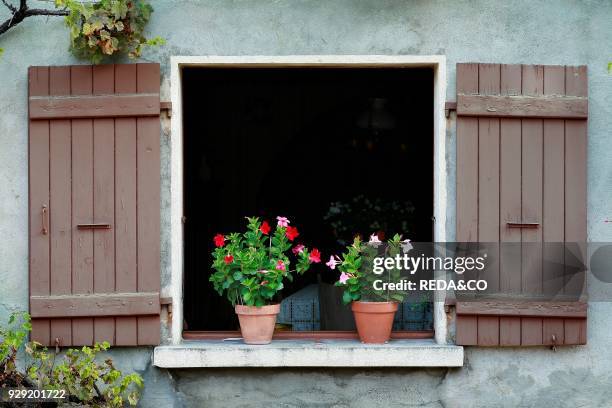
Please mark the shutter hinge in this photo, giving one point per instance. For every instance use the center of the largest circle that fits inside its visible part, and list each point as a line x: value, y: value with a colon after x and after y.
x: 167, y: 302
x: 448, y: 107
x: 167, y: 107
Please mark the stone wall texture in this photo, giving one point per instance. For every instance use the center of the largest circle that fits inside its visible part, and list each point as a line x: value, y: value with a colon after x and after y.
x: 513, y: 31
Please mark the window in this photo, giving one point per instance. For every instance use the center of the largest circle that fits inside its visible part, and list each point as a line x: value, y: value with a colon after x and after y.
x: 372, y: 91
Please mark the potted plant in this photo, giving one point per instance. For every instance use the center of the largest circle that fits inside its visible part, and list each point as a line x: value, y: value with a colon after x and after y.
x: 373, y: 309
x: 250, y: 268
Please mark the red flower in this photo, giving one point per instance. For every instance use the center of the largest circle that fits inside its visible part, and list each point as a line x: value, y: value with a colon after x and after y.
x: 228, y: 259
x: 292, y: 233
x: 219, y: 240
x: 265, y: 228
x: 315, y: 256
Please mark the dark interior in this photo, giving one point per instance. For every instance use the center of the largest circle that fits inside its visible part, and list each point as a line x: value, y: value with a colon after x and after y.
x: 338, y: 151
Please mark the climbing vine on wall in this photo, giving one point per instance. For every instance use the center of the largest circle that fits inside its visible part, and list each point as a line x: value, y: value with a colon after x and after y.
x: 107, y: 27
x: 98, y: 29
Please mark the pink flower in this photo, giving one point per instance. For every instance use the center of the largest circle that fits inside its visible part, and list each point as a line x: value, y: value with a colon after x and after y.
x: 263, y: 283
x: 344, y: 277
x: 283, y: 221
x: 262, y: 271
x: 280, y: 265
x: 298, y: 249
x: 315, y: 256
x: 406, y: 245
x: 374, y: 239
x: 333, y: 261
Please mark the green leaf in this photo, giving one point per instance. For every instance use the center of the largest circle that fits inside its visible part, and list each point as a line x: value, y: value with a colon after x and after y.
x: 347, y: 298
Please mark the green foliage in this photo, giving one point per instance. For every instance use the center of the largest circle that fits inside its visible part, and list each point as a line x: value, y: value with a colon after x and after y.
x: 357, y: 263
x: 12, y: 338
x: 609, y: 67
x: 106, y: 27
x: 86, y: 380
x: 250, y: 267
x: 362, y: 214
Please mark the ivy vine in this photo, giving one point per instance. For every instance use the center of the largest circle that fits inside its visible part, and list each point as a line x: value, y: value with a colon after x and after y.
x: 102, y: 29
x: 98, y: 30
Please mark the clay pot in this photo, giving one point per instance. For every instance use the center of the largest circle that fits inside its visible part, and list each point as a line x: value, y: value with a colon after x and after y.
x: 374, y: 320
x: 257, y: 323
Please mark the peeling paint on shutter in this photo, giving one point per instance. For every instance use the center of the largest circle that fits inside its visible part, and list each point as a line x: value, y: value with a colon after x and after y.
x: 521, y: 159
x: 94, y: 171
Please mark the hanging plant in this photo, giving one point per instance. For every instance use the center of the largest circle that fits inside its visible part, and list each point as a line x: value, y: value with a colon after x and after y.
x: 108, y: 27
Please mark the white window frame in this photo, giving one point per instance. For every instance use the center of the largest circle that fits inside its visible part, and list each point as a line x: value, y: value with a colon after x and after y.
x: 437, y: 62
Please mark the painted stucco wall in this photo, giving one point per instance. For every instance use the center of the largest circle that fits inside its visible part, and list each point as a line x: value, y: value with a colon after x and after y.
x: 543, y: 32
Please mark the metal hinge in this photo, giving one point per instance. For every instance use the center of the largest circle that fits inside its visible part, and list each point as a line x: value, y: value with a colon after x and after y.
x: 167, y: 302
x: 167, y: 107
x: 448, y: 107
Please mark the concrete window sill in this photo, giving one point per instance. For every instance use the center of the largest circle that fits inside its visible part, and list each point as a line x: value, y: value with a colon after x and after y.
x: 308, y: 353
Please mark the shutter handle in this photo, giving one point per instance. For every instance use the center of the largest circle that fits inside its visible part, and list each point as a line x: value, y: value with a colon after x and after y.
x: 523, y: 224
x: 45, y: 227
x: 94, y: 226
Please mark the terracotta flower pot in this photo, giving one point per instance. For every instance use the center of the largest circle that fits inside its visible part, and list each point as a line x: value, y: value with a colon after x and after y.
x: 374, y: 320
x: 257, y: 323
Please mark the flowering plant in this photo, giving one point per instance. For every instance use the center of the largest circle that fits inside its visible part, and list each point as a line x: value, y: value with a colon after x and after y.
x: 250, y: 267
x: 356, y: 269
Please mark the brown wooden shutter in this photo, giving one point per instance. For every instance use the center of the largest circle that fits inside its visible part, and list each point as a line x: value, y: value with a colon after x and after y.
x: 94, y: 171
x: 521, y: 158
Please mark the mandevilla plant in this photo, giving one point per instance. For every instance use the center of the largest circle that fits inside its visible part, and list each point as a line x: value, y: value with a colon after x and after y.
x: 250, y: 267
x: 356, y: 269
x: 102, y: 28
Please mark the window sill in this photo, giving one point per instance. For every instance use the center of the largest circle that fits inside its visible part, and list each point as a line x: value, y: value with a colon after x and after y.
x: 309, y: 353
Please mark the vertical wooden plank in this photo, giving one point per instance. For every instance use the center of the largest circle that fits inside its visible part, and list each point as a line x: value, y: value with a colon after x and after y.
x: 575, y: 180
x: 553, y: 231
x: 510, y: 187
x: 531, y: 191
x: 148, y: 203
x: 467, y: 160
x: 574, y: 331
x: 104, y: 201
x: 553, y: 327
x: 509, y: 331
x: 38, y: 169
x: 82, y: 204
x: 510, y: 205
x: 467, y: 187
x: 125, y: 205
x: 488, y: 198
x: 488, y: 330
x: 467, y: 330
x: 531, y: 331
x: 60, y: 207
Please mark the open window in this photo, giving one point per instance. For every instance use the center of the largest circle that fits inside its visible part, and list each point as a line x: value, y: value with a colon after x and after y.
x: 339, y: 151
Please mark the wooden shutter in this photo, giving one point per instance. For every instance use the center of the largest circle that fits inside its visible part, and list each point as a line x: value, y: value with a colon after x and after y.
x: 94, y: 171
x: 521, y: 158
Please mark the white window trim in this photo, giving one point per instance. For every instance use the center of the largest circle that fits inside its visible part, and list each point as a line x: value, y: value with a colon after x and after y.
x: 437, y: 62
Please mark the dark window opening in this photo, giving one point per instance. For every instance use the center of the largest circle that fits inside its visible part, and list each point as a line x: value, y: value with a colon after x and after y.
x: 338, y: 151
